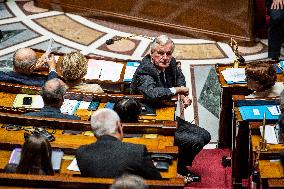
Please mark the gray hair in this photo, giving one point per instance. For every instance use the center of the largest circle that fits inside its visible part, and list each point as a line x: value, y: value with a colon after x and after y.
x: 23, y: 60
x: 161, y: 40
x: 53, y: 91
x: 104, y: 121
x: 129, y: 182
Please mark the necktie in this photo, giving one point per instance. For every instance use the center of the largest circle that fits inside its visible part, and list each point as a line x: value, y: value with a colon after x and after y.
x: 163, y: 79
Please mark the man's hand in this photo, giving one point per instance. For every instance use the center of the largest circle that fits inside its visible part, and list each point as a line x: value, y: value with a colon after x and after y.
x: 51, y: 62
x: 277, y: 4
x: 186, y: 101
x: 182, y: 90
x: 40, y: 62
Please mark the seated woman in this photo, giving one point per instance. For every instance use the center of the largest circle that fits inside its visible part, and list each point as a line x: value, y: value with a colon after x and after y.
x: 189, y: 138
x: 74, y: 67
x: 261, y: 79
x: 35, y: 157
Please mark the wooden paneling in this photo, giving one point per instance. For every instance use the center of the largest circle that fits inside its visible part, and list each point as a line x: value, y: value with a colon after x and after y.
x: 212, y: 19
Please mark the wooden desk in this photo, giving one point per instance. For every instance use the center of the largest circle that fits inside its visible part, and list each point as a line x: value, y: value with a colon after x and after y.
x: 67, y: 159
x: 241, y: 142
x: 217, y: 20
x: 225, y: 120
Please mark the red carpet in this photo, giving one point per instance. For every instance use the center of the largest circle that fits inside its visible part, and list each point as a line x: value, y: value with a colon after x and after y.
x: 207, y: 164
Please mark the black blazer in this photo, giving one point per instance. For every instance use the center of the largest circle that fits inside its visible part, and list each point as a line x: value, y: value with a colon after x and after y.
x: 30, y: 80
x: 146, y: 80
x: 110, y: 158
x: 52, y: 113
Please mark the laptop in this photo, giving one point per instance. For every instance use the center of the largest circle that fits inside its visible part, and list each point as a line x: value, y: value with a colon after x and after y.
x: 56, y: 158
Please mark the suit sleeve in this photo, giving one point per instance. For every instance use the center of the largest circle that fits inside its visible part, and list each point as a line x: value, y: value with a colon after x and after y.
x: 52, y: 75
x: 180, y: 78
x: 148, y: 168
x: 148, y: 87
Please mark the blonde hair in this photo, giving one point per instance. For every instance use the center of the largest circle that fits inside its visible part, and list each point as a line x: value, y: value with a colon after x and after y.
x: 74, y: 66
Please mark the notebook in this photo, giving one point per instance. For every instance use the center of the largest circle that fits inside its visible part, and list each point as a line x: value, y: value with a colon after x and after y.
x: 56, y: 158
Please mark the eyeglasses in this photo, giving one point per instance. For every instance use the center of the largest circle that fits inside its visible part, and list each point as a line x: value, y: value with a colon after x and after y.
x: 162, y: 53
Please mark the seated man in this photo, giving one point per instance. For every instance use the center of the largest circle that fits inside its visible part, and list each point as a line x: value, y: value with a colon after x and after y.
x: 261, y: 79
x: 189, y: 137
x: 158, y: 76
x: 24, y: 63
x: 52, y: 94
x: 109, y: 157
x: 74, y: 67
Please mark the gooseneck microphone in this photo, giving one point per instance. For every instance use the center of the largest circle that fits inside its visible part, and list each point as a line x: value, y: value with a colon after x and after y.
x: 114, y: 39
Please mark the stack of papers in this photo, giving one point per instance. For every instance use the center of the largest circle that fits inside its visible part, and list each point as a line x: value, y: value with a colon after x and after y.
x: 104, y: 70
x: 234, y: 75
x: 257, y: 112
x: 130, y: 70
x: 270, y: 135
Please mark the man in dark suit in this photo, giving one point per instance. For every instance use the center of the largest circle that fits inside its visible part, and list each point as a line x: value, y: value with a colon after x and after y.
x: 275, y: 31
x: 52, y: 94
x: 158, y: 77
x: 24, y: 63
x: 109, y: 157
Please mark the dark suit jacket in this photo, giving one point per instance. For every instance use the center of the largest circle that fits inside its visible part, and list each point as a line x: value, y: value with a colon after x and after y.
x: 31, y: 80
x: 146, y: 80
x: 52, y: 113
x: 110, y: 158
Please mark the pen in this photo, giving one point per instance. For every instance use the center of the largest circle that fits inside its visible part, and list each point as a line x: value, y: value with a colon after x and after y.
x: 100, y: 73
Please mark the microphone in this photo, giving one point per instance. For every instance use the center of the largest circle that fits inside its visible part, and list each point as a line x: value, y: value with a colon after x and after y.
x: 112, y: 40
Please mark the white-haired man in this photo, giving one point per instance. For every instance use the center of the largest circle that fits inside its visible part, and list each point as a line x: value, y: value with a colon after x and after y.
x: 158, y: 77
x: 109, y: 157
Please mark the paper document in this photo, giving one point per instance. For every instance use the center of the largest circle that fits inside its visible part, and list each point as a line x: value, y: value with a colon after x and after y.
x: 130, y: 70
x: 270, y: 135
x: 274, y: 110
x: 69, y: 106
x: 73, y: 166
x: 84, y: 105
x: 104, y: 70
x: 36, y: 101
x: 234, y: 75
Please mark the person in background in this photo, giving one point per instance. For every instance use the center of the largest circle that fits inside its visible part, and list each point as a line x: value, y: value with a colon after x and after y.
x: 74, y: 67
x: 129, y: 182
x: 190, y: 138
x: 52, y: 94
x: 35, y: 157
x: 24, y: 64
x: 275, y: 31
x: 109, y: 157
x: 158, y: 77
x: 261, y: 79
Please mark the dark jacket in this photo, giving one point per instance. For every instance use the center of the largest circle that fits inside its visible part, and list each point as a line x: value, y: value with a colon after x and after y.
x: 146, y: 80
x: 52, y: 113
x: 31, y: 80
x: 108, y: 157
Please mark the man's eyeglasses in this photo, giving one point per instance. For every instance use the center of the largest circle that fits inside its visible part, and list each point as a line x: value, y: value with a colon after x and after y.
x: 162, y: 53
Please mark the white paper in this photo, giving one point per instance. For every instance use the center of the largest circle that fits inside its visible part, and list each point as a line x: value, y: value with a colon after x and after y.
x: 270, y: 135
x: 256, y: 112
x: 111, y: 71
x: 103, y: 70
x: 84, y: 105
x: 234, y: 74
x: 274, y: 110
x: 73, y: 166
x: 129, y: 72
x: 38, y: 102
x: 69, y: 106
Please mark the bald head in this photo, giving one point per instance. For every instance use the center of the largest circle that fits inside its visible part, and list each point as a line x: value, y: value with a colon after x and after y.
x: 52, y: 92
x: 24, y: 60
x: 106, y: 122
